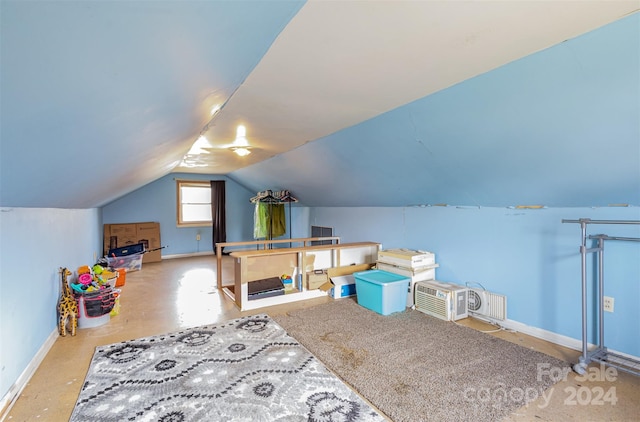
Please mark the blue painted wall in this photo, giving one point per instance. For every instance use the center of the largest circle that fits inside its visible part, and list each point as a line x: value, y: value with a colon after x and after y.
x: 528, y: 255
x: 157, y: 202
x: 35, y: 243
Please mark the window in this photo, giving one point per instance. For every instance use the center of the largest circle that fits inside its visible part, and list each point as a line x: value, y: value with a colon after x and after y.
x: 194, y: 203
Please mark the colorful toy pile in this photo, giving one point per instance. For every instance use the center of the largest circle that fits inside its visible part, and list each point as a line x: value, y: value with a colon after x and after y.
x: 93, y: 279
x: 95, y: 293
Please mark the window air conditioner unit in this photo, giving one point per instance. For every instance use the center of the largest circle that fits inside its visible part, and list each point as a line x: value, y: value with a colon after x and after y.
x: 442, y: 300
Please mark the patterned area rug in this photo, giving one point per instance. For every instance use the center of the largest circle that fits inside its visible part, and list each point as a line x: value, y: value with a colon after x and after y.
x: 246, y: 369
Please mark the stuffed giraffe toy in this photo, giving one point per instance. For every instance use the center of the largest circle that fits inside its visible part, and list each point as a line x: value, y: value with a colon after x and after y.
x: 67, y: 306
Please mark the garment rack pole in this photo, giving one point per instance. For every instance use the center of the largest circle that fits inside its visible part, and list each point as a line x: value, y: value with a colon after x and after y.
x: 600, y: 353
x: 290, y: 228
x: 600, y: 248
x: 583, y: 254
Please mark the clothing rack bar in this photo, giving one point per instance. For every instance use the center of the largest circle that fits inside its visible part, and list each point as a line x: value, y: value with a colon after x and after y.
x: 605, y: 237
x: 590, y: 221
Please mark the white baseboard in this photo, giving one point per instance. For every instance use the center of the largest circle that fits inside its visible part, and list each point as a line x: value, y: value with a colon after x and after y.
x: 9, y: 399
x: 559, y: 339
x: 549, y: 336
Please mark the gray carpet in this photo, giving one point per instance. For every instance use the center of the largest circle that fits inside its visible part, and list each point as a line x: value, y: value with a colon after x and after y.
x: 414, y: 367
x: 246, y: 369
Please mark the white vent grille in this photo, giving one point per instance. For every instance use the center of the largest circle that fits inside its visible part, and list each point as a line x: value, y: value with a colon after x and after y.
x: 485, y: 303
x: 427, y: 301
x: 497, y: 306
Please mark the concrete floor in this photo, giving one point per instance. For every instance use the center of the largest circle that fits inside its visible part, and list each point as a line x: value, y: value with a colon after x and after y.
x: 181, y: 293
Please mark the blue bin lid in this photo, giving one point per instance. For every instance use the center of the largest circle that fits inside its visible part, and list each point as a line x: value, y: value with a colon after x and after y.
x: 380, y: 277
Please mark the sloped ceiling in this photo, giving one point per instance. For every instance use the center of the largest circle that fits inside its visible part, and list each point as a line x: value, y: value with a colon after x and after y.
x: 345, y: 103
x: 99, y: 98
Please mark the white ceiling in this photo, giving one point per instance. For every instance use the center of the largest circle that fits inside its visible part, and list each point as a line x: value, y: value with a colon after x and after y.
x: 101, y: 98
x: 337, y: 64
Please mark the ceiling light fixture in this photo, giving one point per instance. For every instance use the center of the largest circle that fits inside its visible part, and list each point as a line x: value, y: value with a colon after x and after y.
x: 241, y: 137
x: 241, y: 151
x: 241, y: 144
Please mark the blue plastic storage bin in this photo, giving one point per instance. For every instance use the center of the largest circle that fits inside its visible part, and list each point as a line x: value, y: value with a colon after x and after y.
x: 381, y: 291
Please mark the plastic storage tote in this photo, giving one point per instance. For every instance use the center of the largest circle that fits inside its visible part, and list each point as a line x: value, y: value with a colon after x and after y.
x: 381, y: 291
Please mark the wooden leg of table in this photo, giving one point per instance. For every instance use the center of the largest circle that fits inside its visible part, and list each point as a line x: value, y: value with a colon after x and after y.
x: 219, y: 271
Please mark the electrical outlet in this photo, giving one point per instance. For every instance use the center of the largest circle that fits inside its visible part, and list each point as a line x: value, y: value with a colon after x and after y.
x: 608, y: 304
x: 198, y: 237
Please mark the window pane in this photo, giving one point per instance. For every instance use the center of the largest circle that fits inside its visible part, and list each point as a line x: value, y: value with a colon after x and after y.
x: 195, y: 195
x: 196, y: 212
x: 194, y: 203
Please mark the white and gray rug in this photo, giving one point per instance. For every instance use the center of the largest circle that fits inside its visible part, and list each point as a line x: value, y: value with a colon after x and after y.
x: 247, y: 369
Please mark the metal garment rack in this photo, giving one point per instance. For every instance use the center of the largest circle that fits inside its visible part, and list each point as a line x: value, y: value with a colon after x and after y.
x: 600, y: 353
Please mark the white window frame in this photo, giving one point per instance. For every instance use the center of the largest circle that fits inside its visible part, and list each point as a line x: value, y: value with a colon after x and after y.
x: 205, y: 184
